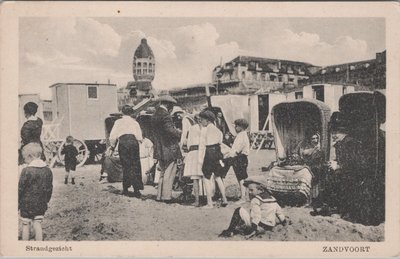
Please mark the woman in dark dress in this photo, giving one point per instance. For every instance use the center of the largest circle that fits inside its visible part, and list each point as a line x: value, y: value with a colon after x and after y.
x: 31, y: 130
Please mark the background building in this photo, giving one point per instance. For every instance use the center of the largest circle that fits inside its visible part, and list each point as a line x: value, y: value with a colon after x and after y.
x: 246, y: 74
x: 250, y: 74
x: 143, y: 69
x: 365, y: 75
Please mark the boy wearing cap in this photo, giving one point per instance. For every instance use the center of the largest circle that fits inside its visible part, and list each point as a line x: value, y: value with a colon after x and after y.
x: 237, y: 157
x: 265, y: 212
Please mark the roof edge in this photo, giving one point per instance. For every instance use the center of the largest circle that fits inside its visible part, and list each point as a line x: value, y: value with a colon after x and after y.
x: 58, y: 84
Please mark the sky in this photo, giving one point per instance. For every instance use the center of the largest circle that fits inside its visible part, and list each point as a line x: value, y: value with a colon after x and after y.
x: 88, y: 50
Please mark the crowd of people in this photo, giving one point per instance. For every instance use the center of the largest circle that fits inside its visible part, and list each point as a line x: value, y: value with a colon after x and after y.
x: 161, y: 149
x: 193, y: 146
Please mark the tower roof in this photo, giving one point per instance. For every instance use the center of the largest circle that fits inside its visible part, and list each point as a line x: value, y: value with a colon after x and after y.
x: 144, y: 50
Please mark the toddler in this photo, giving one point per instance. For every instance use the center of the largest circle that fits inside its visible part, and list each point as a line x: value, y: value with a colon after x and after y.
x: 70, y: 152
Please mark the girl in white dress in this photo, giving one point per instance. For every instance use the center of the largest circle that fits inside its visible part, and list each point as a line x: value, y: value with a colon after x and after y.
x: 192, y: 165
x: 146, y: 158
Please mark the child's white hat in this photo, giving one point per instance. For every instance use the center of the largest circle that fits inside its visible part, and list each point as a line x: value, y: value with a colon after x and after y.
x: 261, y: 180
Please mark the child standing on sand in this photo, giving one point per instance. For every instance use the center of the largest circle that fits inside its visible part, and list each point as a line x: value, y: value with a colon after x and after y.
x: 265, y: 212
x: 34, y: 190
x: 210, y: 155
x: 237, y: 156
x: 70, y: 152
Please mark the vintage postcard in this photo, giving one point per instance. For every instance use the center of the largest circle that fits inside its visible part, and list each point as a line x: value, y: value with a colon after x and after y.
x: 208, y: 129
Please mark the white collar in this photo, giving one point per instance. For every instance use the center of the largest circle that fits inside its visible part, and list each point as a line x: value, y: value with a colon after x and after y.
x: 269, y: 199
x: 37, y: 163
x: 162, y: 106
x: 32, y: 118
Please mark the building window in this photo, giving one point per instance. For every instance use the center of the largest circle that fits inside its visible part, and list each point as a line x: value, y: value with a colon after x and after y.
x: 298, y: 95
x: 48, y: 116
x: 272, y: 77
x: 144, y: 68
x: 92, y: 92
x: 243, y: 75
x: 150, y: 68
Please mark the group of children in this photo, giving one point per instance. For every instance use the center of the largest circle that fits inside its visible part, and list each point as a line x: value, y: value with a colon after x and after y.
x: 208, y: 156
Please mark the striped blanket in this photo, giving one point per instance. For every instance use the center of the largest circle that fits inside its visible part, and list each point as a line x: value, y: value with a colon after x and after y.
x: 290, y: 184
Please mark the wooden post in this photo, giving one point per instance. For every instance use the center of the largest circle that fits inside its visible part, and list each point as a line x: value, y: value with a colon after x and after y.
x: 208, y: 96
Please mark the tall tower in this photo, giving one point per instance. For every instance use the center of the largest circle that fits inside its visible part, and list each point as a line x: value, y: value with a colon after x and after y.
x: 143, y: 69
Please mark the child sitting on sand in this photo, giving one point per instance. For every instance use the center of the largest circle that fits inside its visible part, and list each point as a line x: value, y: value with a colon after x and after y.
x: 265, y: 212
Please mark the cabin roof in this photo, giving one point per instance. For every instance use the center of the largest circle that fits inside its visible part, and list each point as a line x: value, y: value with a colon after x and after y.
x: 79, y: 84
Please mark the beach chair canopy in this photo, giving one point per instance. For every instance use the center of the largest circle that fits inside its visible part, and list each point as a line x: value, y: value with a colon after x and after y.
x: 357, y: 109
x: 298, y: 120
x: 364, y: 113
x: 363, y: 110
